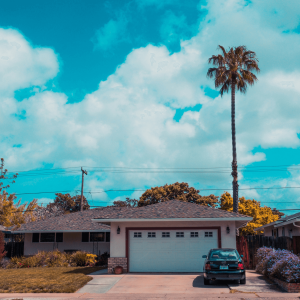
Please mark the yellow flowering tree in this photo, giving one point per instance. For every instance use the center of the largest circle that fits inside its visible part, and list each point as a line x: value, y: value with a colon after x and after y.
x: 12, y: 212
x: 261, y: 215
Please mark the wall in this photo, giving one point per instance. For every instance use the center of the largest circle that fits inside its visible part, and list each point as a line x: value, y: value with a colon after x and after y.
x: 295, y: 230
x: 71, y: 241
x: 118, y: 241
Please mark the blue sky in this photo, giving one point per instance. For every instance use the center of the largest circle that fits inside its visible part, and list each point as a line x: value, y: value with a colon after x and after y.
x: 121, y: 84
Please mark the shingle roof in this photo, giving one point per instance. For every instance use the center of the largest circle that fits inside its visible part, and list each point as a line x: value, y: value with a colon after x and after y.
x: 77, y: 221
x: 167, y: 210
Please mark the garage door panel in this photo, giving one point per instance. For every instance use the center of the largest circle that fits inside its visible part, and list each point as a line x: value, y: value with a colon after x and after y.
x: 171, y: 253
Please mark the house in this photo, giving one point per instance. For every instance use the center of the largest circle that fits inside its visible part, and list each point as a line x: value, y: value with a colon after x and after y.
x: 169, y: 236
x: 287, y: 226
x: 68, y: 232
x: 6, y: 233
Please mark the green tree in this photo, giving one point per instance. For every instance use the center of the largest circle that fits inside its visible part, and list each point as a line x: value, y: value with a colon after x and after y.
x: 127, y: 203
x: 180, y: 191
x: 261, y: 215
x: 68, y: 203
x: 12, y: 212
x: 233, y: 71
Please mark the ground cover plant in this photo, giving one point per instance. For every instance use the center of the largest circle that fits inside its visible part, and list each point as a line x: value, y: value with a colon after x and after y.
x: 53, y: 259
x: 45, y: 280
x: 281, y: 264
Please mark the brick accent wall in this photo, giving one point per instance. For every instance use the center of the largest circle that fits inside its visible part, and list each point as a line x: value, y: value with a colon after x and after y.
x: 288, y: 287
x: 117, y: 261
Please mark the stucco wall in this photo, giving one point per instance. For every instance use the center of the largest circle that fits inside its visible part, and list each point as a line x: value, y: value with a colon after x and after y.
x: 118, y: 241
x: 71, y: 241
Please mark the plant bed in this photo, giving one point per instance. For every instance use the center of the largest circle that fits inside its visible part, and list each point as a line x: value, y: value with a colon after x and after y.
x: 45, y: 280
x: 288, y: 287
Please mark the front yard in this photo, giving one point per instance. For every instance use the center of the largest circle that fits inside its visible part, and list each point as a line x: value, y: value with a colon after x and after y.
x: 45, y: 280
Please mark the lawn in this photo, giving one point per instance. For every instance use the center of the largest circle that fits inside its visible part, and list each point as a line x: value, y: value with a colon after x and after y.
x: 45, y: 280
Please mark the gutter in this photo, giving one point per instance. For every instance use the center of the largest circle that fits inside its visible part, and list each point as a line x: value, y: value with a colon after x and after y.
x: 291, y: 221
x: 41, y: 231
x: 248, y: 219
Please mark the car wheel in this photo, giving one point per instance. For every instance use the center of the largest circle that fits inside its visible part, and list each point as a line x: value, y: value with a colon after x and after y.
x: 206, y: 281
x: 243, y: 281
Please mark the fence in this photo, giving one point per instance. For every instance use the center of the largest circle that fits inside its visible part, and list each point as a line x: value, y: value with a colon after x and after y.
x: 248, y: 245
x: 14, y: 249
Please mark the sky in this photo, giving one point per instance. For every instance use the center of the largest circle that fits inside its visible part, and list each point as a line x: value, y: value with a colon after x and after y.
x: 120, y: 89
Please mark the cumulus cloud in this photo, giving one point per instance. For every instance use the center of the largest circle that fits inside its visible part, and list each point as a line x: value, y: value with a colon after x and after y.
x: 128, y: 121
x: 112, y: 33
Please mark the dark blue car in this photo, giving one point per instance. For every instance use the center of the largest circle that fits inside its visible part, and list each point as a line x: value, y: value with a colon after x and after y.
x: 223, y: 264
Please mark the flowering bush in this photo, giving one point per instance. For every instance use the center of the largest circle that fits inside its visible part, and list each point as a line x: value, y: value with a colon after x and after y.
x: 281, y: 264
x: 53, y: 259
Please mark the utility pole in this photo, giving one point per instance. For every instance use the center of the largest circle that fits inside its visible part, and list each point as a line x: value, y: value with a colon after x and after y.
x: 81, y: 200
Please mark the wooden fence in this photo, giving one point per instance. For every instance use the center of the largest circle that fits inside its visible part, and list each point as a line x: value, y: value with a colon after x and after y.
x: 14, y: 249
x: 248, y: 245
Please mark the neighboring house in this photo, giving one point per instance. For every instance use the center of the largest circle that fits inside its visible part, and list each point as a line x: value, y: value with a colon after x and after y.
x: 69, y: 232
x: 169, y: 236
x: 287, y: 226
x: 6, y: 233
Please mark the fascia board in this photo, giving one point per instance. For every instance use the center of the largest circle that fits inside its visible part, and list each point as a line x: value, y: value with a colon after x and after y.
x: 173, y: 219
x: 287, y: 222
x: 34, y: 231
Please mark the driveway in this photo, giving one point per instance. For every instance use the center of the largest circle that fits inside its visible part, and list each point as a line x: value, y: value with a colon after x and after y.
x: 152, y: 283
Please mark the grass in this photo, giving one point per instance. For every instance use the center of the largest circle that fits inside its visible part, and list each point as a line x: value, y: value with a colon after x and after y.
x: 45, y: 280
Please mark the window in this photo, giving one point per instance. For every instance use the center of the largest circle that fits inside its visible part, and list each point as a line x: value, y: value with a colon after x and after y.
x: 151, y: 234
x: 97, y: 236
x: 179, y: 234
x: 208, y: 234
x: 283, y: 231
x: 35, y: 237
x: 85, y: 238
x: 137, y: 234
x: 108, y: 236
x: 47, y: 237
x: 222, y: 254
x: 165, y: 234
x: 194, y: 234
x: 59, y: 237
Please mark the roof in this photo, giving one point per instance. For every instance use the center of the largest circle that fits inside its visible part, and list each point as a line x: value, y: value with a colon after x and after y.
x: 77, y: 221
x: 283, y: 221
x: 172, y: 209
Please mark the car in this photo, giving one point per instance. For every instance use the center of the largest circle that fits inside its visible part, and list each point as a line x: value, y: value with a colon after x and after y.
x: 224, y: 264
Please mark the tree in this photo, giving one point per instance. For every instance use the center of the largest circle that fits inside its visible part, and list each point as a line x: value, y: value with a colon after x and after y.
x: 180, y: 191
x: 68, y: 203
x: 127, y: 203
x: 2, y: 246
x: 11, y: 213
x: 233, y: 72
x: 261, y: 215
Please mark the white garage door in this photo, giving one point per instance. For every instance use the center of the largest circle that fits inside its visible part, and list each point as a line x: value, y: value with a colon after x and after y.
x: 170, y: 250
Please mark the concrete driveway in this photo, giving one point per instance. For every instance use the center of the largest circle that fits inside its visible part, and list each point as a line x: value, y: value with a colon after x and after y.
x: 152, y: 283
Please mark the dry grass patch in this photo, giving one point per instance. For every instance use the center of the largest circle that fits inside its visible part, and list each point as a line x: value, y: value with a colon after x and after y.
x: 45, y: 280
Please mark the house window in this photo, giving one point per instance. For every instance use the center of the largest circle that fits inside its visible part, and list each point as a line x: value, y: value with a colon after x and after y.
x: 151, y: 234
x: 208, y: 234
x: 59, y: 237
x: 85, y: 237
x: 137, y: 234
x: 179, y: 234
x: 107, y: 236
x: 283, y: 231
x: 47, y: 237
x: 97, y: 236
x: 165, y: 234
x: 194, y: 234
x: 35, y: 237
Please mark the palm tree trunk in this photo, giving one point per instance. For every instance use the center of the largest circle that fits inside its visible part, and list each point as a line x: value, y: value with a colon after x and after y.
x: 234, y: 172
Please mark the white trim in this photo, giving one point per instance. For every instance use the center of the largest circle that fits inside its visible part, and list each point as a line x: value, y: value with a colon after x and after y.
x: 173, y: 219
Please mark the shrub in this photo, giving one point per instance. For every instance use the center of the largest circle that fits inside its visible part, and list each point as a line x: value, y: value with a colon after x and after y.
x: 281, y: 264
x: 53, y: 259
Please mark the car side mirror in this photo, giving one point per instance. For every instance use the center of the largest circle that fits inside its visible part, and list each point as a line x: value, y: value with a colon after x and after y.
x: 242, y: 256
x: 204, y: 256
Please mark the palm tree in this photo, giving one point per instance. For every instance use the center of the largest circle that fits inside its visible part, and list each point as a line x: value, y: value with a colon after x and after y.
x: 233, y: 71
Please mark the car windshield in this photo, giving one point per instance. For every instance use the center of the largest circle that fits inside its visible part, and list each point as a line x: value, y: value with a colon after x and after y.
x: 223, y: 255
